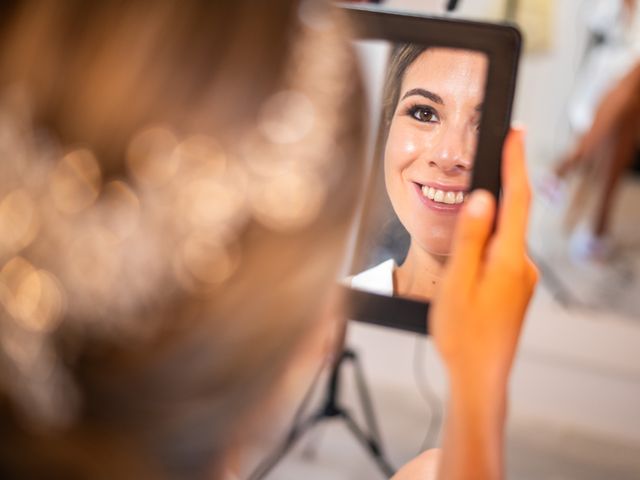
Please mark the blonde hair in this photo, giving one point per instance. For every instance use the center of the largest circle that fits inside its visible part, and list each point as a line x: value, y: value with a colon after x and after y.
x: 232, y: 131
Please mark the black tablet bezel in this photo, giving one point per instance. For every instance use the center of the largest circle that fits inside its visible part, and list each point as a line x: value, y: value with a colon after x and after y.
x: 502, y: 45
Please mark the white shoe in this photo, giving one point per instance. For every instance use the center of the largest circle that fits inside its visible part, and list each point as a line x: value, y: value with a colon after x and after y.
x: 586, y: 247
x: 552, y: 189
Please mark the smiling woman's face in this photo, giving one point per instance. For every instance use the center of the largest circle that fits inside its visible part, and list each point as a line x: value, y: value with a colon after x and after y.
x: 432, y: 141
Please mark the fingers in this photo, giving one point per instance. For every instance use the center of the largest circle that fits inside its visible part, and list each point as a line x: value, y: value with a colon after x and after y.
x: 472, y: 233
x: 514, y: 207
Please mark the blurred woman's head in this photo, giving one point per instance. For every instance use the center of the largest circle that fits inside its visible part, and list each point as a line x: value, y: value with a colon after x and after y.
x: 433, y: 102
x: 181, y: 179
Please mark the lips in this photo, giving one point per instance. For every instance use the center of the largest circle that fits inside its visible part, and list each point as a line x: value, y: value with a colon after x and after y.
x: 440, y: 198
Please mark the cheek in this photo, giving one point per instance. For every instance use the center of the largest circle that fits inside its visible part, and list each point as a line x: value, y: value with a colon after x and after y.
x: 402, y: 148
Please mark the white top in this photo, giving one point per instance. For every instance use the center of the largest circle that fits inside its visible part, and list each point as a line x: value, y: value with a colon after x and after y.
x: 607, y: 63
x: 378, y: 279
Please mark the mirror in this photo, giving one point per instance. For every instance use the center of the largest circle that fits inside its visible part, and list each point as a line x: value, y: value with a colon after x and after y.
x: 440, y: 95
x: 429, y: 112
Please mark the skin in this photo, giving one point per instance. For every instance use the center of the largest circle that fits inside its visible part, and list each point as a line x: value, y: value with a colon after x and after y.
x: 613, y: 140
x: 432, y: 139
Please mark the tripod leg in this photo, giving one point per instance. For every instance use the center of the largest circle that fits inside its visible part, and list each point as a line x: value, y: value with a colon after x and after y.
x: 370, y: 444
x: 310, y: 450
x: 373, y: 440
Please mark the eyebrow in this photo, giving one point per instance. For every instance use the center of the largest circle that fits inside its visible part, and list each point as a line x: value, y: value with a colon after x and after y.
x: 424, y: 93
x: 432, y: 96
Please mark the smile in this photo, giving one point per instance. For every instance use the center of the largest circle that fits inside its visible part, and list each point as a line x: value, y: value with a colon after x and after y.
x: 441, y: 199
x: 449, y: 197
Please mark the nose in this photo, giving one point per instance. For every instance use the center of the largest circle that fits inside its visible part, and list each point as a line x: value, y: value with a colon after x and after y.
x: 454, y: 150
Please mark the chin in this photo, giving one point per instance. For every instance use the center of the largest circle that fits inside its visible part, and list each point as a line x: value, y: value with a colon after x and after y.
x: 436, y: 240
x: 438, y: 248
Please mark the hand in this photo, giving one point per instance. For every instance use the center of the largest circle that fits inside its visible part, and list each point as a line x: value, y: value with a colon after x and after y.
x: 477, y: 317
x: 478, y: 312
x: 618, y: 107
x: 423, y: 467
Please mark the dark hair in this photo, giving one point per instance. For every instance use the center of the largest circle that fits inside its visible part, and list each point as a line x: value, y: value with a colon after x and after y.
x: 383, y: 233
x: 168, y: 399
x: 402, y: 56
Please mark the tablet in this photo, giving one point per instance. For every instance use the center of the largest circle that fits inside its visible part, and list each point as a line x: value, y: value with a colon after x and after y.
x: 440, y: 93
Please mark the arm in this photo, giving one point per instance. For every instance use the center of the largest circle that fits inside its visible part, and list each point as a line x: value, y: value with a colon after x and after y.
x: 615, y: 108
x: 476, y: 322
x: 473, y: 431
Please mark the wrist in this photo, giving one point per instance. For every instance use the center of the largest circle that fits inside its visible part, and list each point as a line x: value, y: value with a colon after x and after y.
x: 488, y: 380
x: 475, y: 420
x: 479, y: 394
x: 478, y: 398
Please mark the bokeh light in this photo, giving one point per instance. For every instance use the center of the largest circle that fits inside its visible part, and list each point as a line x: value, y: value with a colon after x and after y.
x: 121, y: 209
x: 32, y: 297
x: 201, y: 154
x: 150, y: 156
x: 93, y: 264
x: 287, y: 117
x: 19, y: 221
x: 288, y: 201
x: 314, y: 14
x: 212, y: 203
x: 203, y: 263
x: 75, y: 181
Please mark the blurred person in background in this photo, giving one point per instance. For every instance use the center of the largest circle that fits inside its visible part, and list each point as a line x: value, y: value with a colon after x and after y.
x: 177, y: 183
x: 605, y: 113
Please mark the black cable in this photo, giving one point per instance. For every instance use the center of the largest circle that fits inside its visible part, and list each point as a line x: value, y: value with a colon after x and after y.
x: 452, y: 5
x: 431, y: 400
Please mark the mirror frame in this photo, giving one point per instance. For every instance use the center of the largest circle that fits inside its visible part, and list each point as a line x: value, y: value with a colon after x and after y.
x: 502, y: 43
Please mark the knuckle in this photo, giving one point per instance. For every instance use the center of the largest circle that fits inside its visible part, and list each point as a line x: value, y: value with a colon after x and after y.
x: 510, y: 267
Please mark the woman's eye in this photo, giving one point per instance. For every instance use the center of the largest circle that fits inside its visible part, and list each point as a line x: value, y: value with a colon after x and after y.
x: 424, y: 114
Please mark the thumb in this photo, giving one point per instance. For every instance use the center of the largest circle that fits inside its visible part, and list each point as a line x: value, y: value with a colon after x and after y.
x: 472, y: 233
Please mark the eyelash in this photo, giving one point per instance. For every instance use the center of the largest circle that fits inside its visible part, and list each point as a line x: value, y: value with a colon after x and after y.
x: 413, y: 110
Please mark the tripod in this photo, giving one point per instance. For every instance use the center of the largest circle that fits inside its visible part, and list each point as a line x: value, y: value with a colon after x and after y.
x: 332, y: 409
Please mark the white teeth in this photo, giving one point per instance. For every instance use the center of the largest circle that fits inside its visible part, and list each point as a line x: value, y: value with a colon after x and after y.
x: 450, y: 198
x: 441, y: 196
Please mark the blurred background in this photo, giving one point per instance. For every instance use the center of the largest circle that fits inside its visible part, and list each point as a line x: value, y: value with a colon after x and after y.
x: 575, y: 391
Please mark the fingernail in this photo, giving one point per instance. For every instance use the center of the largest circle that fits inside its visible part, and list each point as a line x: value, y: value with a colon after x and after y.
x: 519, y: 127
x: 479, y: 203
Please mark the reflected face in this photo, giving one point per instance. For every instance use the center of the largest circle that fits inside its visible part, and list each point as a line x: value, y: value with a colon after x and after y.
x: 432, y: 141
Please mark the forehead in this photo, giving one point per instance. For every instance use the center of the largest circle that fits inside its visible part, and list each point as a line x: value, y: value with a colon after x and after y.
x: 450, y: 73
